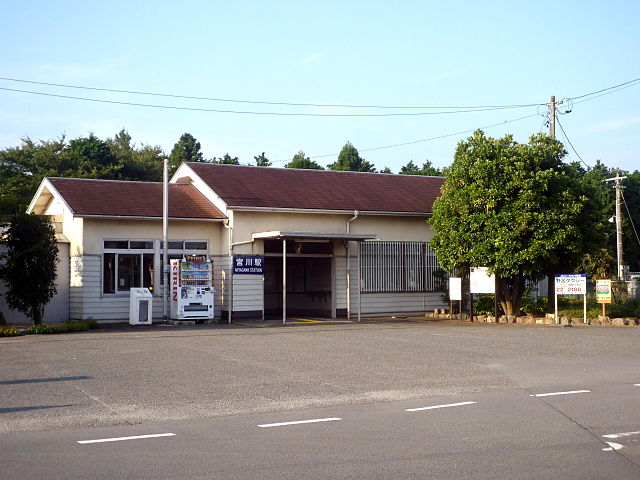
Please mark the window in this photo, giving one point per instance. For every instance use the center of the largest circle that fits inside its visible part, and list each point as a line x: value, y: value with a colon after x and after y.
x: 397, y: 267
x: 130, y: 263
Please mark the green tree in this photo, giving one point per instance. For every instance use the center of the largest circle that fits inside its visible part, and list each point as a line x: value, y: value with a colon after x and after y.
x: 261, y: 160
x: 386, y: 170
x: 350, y: 160
x: 631, y: 206
x: 226, y: 160
x: 186, y: 149
x: 29, y: 266
x: 514, y: 208
x: 300, y: 160
x: 427, y: 169
x: 143, y: 164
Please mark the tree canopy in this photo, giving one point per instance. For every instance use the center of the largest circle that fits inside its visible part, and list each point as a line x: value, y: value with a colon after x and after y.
x: 514, y: 208
x: 300, y: 160
x: 186, y: 149
x: 350, y: 160
x: 427, y: 169
x: 29, y: 266
x: 261, y: 160
x: 226, y: 160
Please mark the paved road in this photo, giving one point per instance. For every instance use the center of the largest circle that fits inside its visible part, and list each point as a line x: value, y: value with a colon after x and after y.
x: 55, y: 390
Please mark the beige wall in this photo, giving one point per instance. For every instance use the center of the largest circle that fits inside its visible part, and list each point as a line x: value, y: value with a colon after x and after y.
x: 391, y: 228
x: 96, y: 230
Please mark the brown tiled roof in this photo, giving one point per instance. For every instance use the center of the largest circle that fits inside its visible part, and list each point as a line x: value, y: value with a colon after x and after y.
x: 319, y: 189
x: 132, y: 199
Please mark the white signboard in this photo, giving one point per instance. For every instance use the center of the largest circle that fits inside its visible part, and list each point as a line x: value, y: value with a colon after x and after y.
x: 481, y: 281
x: 455, y: 288
x: 571, y: 284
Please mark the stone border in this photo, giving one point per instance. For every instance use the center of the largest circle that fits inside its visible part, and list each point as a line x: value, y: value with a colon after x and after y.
x: 529, y: 320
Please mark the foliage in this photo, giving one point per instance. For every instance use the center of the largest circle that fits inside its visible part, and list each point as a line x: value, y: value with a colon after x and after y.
x: 29, y: 269
x: 226, y: 160
x: 427, y: 169
x: 300, y: 160
x: 515, y: 208
x: 261, y: 160
x: 350, y: 160
x: 483, y: 305
x: 64, y: 327
x: 386, y: 170
x: 10, y: 332
x: 534, y: 306
x: 186, y: 149
x: 597, y: 265
x: 22, y: 168
x: 630, y: 241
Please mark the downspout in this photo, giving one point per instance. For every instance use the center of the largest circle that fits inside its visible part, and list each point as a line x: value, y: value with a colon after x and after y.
x: 355, y: 215
x: 230, y: 237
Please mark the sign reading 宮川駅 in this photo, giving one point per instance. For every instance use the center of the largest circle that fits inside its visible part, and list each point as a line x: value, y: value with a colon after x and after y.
x: 575, y: 284
x: 248, y: 264
x: 571, y: 284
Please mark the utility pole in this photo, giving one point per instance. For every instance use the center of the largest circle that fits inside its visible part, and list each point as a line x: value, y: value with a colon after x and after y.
x: 618, y: 187
x: 552, y: 116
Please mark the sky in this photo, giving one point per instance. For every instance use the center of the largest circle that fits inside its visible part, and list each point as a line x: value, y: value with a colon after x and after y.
x: 423, y: 56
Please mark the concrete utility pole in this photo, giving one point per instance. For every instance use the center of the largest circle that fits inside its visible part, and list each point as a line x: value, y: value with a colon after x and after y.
x: 618, y: 186
x: 552, y: 116
x: 165, y: 240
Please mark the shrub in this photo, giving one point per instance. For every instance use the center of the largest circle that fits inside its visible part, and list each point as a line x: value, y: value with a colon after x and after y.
x: 64, y: 327
x: 10, y: 332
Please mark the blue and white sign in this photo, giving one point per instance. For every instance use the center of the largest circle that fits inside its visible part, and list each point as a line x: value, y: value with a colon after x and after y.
x: 575, y: 284
x: 248, y: 264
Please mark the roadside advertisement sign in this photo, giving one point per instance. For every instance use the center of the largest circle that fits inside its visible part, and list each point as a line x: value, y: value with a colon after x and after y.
x: 481, y: 281
x: 248, y: 264
x: 603, y: 291
x: 575, y: 284
x: 571, y: 284
x: 455, y: 288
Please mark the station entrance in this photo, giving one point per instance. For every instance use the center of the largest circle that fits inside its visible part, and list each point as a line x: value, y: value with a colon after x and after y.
x: 309, y: 278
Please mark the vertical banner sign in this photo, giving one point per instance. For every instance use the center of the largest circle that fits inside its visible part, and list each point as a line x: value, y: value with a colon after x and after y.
x: 455, y: 288
x: 575, y: 284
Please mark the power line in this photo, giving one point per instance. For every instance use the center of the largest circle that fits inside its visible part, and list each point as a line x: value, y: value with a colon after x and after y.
x: 630, y: 219
x: 627, y: 84
x: 262, y: 102
x: 573, y: 148
x: 422, y: 140
x: 241, y: 112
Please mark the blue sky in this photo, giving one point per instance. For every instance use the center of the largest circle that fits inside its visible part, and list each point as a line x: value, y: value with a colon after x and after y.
x: 427, y: 54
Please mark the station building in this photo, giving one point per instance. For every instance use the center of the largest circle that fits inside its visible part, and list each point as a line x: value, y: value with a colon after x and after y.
x: 331, y: 244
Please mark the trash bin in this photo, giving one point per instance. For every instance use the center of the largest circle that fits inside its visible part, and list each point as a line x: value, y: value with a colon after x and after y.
x: 140, y: 306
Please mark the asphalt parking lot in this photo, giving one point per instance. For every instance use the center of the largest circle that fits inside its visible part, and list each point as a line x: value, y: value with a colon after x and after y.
x: 121, y: 375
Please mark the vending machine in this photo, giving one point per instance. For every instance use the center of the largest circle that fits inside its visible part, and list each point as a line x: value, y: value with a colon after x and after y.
x: 192, y: 291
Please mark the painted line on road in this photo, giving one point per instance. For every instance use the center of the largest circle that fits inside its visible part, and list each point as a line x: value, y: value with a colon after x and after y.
x: 120, y: 439
x: 438, y: 406
x: 636, y: 384
x: 559, y: 393
x: 315, y: 420
x: 612, y: 447
x: 620, y: 435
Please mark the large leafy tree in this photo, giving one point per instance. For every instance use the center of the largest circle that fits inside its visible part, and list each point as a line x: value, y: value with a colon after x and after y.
x: 226, y: 160
x: 300, y: 160
x: 350, y: 160
x: 29, y: 266
x: 186, y: 149
x: 144, y: 163
x: 514, y: 208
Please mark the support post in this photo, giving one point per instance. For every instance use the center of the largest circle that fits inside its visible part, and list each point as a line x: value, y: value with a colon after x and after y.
x: 359, y: 285
x: 165, y: 230
x: 284, y: 281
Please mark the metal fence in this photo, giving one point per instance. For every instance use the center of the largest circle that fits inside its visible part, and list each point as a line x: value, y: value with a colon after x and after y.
x: 397, y: 267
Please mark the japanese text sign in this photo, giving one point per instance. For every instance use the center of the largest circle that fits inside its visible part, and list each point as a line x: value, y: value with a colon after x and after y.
x: 248, y: 264
x: 571, y: 284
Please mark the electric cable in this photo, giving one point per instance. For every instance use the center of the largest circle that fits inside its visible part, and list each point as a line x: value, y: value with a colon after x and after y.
x: 629, y: 214
x: 570, y: 143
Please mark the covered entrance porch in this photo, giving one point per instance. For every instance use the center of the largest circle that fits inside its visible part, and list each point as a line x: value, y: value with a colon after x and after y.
x: 300, y: 273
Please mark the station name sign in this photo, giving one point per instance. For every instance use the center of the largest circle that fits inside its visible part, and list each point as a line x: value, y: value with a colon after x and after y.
x: 248, y: 264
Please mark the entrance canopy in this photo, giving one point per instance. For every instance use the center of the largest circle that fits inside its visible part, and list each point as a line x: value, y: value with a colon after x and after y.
x: 310, y: 236
x: 280, y: 235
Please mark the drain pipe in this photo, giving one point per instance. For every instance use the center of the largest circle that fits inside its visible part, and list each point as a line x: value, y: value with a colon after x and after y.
x: 230, y: 237
x: 355, y: 215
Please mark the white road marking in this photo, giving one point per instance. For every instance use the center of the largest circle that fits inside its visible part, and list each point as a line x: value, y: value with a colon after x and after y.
x: 120, y: 439
x: 439, y: 406
x: 620, y: 435
x: 559, y: 393
x: 636, y: 384
x: 315, y: 420
x: 612, y: 446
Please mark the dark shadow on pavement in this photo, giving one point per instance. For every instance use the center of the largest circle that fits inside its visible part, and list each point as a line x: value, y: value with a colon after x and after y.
x: 38, y: 407
x: 43, y: 380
